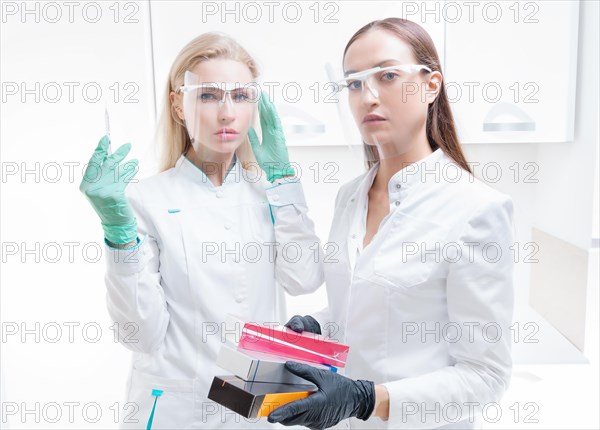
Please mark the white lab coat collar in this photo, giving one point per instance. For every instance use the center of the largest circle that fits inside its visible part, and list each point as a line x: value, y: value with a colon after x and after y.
x: 425, y: 170
x: 400, y: 185
x: 189, y: 169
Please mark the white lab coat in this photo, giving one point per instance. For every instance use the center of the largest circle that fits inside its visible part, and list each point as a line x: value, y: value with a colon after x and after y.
x: 205, y: 251
x: 400, y: 310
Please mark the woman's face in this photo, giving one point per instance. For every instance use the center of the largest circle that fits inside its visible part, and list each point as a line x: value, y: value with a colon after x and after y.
x: 398, y: 102
x: 220, y: 127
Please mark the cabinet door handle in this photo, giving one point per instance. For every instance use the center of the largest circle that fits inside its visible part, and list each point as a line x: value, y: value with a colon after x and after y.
x: 308, y: 125
x: 509, y: 126
x: 496, y: 118
x: 307, y: 128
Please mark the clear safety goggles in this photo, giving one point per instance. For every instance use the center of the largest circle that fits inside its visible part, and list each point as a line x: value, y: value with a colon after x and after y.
x: 218, y: 93
x: 364, y: 141
x: 378, y: 79
x: 199, y: 97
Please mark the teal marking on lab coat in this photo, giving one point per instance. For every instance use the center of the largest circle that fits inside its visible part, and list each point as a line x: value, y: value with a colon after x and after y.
x: 156, y: 393
x: 271, y: 212
x: 174, y: 211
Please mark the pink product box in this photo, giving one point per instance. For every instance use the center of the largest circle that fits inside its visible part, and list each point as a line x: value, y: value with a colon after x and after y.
x: 287, y: 343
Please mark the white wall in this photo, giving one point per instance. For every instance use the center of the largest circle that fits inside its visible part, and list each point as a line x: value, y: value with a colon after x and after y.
x: 52, y: 136
x: 564, y: 204
x: 564, y: 195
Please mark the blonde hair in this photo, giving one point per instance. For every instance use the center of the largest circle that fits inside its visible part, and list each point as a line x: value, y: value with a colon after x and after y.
x: 175, y: 138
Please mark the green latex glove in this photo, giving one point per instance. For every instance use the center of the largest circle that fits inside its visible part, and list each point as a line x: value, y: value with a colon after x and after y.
x: 272, y: 154
x: 104, y: 185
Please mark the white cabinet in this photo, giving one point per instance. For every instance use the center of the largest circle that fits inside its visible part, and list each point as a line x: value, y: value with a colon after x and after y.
x: 292, y: 42
x: 510, y: 66
x: 510, y: 69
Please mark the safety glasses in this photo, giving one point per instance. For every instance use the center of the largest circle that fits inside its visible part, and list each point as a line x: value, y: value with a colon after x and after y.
x: 217, y: 93
x: 379, y: 78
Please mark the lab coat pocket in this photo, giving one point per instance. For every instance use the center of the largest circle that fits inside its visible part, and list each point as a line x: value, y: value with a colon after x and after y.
x: 258, y: 216
x: 409, y: 252
x: 160, y: 403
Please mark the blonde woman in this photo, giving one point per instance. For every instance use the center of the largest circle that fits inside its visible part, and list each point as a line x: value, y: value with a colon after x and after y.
x: 203, y: 238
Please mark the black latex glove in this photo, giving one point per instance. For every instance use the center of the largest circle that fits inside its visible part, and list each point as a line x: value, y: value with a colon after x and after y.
x: 305, y: 323
x: 338, y: 398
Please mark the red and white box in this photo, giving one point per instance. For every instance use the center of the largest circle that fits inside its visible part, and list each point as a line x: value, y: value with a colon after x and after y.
x: 283, y: 342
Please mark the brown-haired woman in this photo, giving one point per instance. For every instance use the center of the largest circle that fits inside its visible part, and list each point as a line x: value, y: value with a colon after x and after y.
x: 422, y: 288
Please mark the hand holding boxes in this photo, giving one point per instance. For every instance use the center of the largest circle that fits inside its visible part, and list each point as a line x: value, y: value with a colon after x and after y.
x: 261, y: 382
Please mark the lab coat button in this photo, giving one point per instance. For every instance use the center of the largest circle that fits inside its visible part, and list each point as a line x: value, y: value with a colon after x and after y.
x: 239, y: 299
x: 354, y: 236
x: 352, y: 200
x: 398, y: 186
x: 397, y: 203
x: 227, y: 226
x: 219, y: 194
x: 275, y: 197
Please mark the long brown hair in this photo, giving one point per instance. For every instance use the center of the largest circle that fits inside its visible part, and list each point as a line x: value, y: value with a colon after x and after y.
x: 175, y: 138
x: 441, y: 132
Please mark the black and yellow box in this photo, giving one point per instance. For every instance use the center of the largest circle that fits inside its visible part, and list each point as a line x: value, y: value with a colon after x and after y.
x: 255, y: 399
